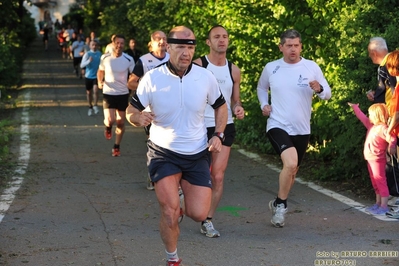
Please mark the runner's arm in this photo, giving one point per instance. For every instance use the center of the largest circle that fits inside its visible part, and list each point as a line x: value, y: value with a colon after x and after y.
x: 133, y: 82
x: 236, y: 105
x: 85, y: 60
x: 100, y: 78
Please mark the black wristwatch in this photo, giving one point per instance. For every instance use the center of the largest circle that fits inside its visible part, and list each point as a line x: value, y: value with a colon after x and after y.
x: 321, y: 89
x: 220, y: 135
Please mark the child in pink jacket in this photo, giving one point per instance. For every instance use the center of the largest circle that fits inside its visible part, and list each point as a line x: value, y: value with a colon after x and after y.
x: 376, y: 145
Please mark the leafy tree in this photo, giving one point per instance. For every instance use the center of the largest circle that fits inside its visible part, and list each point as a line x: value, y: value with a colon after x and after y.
x: 16, y: 31
x: 75, y: 17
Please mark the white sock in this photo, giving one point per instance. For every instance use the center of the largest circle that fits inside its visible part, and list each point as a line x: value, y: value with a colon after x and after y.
x: 172, y: 256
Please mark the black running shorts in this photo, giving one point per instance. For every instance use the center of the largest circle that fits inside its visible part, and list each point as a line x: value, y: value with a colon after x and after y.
x: 119, y: 102
x: 77, y: 61
x: 281, y: 141
x: 162, y: 162
x: 229, y: 134
x: 90, y: 83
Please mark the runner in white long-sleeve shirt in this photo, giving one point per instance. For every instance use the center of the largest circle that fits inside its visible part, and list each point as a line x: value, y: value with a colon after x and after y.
x: 293, y: 81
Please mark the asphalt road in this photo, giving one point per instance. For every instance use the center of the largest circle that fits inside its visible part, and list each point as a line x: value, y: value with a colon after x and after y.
x: 78, y: 205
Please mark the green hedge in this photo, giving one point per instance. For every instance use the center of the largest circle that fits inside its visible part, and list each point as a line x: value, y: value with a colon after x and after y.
x: 17, y: 31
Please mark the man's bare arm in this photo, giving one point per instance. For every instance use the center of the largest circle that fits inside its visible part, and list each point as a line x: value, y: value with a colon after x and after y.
x: 215, y: 144
x: 100, y: 78
x: 137, y: 118
x: 236, y: 105
x: 133, y: 82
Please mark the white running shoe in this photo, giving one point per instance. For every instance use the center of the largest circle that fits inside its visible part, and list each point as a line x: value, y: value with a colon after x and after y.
x: 96, y: 109
x: 208, y: 230
x: 150, y: 184
x: 90, y: 112
x: 278, y: 214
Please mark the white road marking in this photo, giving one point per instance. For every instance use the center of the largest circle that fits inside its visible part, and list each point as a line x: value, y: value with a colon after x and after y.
x: 8, y: 195
x: 351, y: 203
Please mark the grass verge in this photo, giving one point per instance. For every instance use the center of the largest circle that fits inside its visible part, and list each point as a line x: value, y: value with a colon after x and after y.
x: 7, y: 132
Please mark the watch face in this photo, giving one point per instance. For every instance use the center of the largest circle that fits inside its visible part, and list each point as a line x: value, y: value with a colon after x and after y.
x: 220, y: 135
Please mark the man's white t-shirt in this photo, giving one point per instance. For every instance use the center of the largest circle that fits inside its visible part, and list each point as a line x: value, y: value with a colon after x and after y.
x: 116, y: 71
x: 291, y: 95
x: 178, y: 105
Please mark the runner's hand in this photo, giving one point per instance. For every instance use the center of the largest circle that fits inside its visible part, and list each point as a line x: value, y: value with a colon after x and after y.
x: 239, y: 112
x: 266, y: 110
x: 215, y: 144
x: 145, y: 118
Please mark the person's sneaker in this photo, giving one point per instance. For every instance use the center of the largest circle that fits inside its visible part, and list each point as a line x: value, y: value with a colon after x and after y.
x: 393, y: 213
x: 380, y: 211
x: 150, y: 184
x: 107, y: 133
x: 208, y: 230
x: 372, y: 208
x: 278, y: 214
x: 394, y: 202
x: 90, y: 112
x: 181, y: 197
x: 173, y: 263
x: 96, y: 109
x: 116, y: 152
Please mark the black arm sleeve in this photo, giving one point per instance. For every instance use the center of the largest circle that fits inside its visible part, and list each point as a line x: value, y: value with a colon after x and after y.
x: 219, y: 102
x: 135, y: 102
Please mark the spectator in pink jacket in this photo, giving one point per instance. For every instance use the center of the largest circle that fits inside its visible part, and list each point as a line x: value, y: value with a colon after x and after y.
x: 376, y: 145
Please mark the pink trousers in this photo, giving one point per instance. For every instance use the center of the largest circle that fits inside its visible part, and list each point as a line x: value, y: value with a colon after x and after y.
x: 378, y: 177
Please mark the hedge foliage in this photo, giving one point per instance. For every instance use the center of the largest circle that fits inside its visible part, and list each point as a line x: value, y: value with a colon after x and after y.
x: 335, y: 34
x: 17, y: 30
